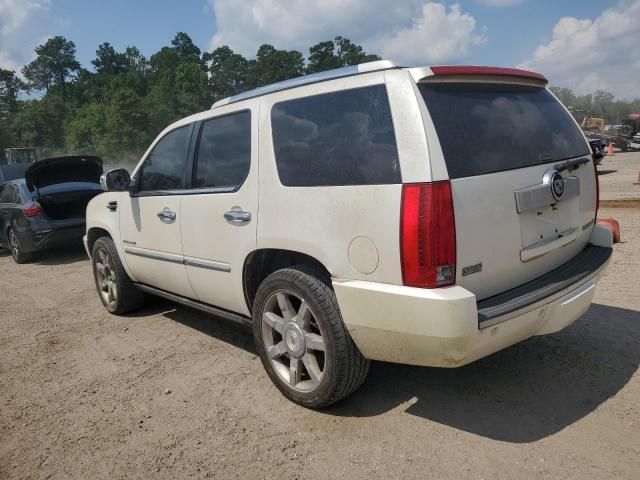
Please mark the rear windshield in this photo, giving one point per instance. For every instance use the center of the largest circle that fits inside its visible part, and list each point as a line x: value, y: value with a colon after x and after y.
x: 486, y: 128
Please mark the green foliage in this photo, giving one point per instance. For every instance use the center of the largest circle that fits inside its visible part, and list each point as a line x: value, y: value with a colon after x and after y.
x: 118, y: 107
x: 55, y: 63
x: 335, y: 54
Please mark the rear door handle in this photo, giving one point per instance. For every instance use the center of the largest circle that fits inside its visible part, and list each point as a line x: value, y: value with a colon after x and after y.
x: 237, y: 217
x: 167, y: 214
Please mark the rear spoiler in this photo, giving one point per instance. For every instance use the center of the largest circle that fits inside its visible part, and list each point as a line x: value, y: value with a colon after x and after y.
x: 476, y: 71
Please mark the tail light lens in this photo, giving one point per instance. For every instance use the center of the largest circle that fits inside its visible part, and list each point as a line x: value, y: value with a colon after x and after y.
x: 32, y: 211
x: 595, y: 171
x: 427, y: 235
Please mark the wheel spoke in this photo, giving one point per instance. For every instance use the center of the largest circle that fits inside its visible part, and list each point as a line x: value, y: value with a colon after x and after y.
x: 277, y: 350
x: 274, y: 321
x: 100, y: 267
x: 288, y: 312
x: 314, y: 341
x: 311, y: 364
x: 294, y: 371
x: 304, y: 315
x: 114, y: 291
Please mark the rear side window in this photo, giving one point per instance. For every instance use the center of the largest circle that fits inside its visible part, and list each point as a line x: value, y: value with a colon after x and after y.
x: 166, y: 165
x: 338, y: 138
x: 224, y: 151
x: 486, y: 128
x: 8, y: 194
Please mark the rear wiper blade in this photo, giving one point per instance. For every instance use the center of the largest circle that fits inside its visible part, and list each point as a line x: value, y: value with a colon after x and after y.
x: 571, y: 164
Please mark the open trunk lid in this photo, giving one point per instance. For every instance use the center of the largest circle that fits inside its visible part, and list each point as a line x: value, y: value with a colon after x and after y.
x: 56, y: 170
x: 521, y: 173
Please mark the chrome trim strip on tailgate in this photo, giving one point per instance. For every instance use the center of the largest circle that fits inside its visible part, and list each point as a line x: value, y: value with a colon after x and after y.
x: 542, y: 248
x: 538, y: 196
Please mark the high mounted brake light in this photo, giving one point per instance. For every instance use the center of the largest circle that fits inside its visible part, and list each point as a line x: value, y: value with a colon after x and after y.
x: 454, y: 70
x: 427, y: 235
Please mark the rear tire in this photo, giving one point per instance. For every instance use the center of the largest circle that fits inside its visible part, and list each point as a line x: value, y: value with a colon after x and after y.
x: 302, y: 341
x: 16, y: 249
x: 116, y: 290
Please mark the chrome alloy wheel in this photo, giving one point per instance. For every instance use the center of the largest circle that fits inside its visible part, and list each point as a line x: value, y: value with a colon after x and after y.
x: 106, y: 278
x: 293, y: 341
x: 13, y: 244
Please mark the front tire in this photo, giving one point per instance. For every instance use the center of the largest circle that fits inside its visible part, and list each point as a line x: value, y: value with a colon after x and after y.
x: 17, y: 251
x: 116, y: 290
x: 302, y: 341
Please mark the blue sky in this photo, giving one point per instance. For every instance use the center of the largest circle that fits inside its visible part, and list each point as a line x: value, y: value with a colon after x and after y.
x: 571, y: 41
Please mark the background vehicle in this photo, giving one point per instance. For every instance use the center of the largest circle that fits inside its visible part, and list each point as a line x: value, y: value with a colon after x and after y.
x: 13, y: 156
x: 47, y: 207
x: 429, y: 216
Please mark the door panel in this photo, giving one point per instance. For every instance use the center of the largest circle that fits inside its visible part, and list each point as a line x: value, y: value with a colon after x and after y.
x: 219, y: 224
x: 153, y: 244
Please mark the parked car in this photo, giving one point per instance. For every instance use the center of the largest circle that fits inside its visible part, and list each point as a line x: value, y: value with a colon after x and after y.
x: 13, y: 172
x: 426, y: 216
x: 47, y: 207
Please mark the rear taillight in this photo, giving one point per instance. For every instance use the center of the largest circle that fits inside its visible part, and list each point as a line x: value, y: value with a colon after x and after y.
x: 595, y: 171
x: 32, y: 211
x: 427, y: 235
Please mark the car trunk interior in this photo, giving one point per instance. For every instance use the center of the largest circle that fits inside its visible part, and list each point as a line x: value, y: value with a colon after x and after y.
x: 66, y: 205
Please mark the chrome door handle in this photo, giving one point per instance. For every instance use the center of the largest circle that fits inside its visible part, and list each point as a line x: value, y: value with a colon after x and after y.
x: 237, y: 217
x: 167, y: 214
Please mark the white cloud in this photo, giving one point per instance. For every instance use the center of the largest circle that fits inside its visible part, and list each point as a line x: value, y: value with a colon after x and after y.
x: 407, y: 31
x: 22, y: 27
x: 587, y: 55
x: 500, y: 3
x: 442, y: 36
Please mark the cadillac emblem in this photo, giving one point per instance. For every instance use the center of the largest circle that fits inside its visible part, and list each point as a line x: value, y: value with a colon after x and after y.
x: 557, y: 185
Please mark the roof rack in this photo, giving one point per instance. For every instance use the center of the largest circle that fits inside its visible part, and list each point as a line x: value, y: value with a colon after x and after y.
x: 308, y: 79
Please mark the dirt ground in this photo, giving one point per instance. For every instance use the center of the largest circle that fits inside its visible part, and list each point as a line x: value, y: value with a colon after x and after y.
x: 172, y: 393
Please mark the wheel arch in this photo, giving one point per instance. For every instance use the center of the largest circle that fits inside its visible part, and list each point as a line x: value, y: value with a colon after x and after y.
x: 261, y: 263
x: 93, y: 234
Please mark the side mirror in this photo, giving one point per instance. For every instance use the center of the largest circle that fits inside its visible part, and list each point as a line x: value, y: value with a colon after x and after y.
x: 117, y: 180
x: 597, y: 149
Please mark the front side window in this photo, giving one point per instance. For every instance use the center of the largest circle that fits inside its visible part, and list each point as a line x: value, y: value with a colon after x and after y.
x: 224, y: 152
x: 165, y: 167
x: 337, y: 138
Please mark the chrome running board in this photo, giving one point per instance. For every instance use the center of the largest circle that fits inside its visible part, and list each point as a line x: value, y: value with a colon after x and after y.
x: 204, y: 307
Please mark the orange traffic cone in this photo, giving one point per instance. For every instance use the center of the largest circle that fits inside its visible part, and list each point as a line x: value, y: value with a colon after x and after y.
x: 610, y: 150
x: 637, y: 182
x: 613, y: 225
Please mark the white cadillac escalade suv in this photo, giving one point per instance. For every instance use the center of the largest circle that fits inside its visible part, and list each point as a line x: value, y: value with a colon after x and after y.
x: 428, y: 216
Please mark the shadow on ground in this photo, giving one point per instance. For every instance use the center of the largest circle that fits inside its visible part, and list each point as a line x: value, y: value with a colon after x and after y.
x: 606, y: 172
x: 521, y: 394
x: 72, y: 253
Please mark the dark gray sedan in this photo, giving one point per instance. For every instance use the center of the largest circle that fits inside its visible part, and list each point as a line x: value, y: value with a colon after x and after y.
x: 47, y: 207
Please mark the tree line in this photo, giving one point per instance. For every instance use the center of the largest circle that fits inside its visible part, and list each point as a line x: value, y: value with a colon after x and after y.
x: 116, y: 108
x: 119, y: 106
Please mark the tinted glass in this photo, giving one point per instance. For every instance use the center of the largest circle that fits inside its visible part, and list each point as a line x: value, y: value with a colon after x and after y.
x: 339, y: 138
x: 165, y: 167
x: 224, y: 151
x: 487, y: 128
x: 7, y: 194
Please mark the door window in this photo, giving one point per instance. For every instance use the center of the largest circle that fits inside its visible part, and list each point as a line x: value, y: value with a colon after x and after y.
x: 7, y: 194
x: 165, y: 167
x: 224, y: 152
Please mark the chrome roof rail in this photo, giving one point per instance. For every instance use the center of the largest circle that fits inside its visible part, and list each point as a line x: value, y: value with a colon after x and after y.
x: 308, y: 79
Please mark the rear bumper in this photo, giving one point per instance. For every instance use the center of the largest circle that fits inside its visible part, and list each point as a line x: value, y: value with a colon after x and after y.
x: 447, y: 327
x: 51, y: 235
